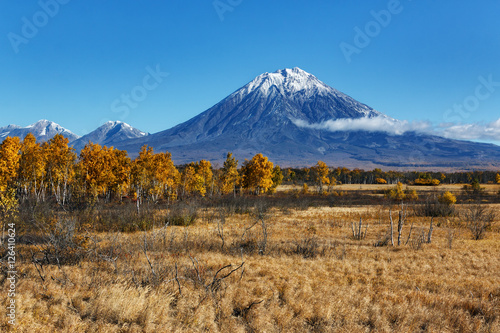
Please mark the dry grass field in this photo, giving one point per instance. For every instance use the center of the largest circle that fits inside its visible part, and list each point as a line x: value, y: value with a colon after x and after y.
x: 275, y: 270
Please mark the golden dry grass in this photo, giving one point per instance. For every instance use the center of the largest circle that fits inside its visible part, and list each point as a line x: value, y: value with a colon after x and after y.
x: 345, y: 286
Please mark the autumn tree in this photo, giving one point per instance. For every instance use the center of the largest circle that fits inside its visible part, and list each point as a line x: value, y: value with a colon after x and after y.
x: 442, y: 176
x: 306, y: 171
x: 197, y: 178
x: 154, y: 175
x: 120, y: 168
x: 277, y: 178
x: 378, y: 173
x: 103, y: 170
x: 166, y: 177
x: 333, y: 181
x: 497, y: 178
x: 141, y: 173
x: 204, y: 170
x: 9, y: 166
x: 9, y: 162
x: 257, y: 174
x: 60, y: 166
x: 32, y: 163
x: 188, y: 179
x: 321, y: 171
x: 290, y: 175
x: 192, y: 182
x: 229, y: 176
x: 94, y: 169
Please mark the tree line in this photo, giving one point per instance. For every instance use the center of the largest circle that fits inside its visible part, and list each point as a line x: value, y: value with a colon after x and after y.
x: 342, y: 175
x: 53, y: 170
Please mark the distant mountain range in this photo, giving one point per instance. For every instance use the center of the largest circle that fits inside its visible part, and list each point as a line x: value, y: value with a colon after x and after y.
x: 108, y: 134
x: 296, y: 120
x: 43, y: 130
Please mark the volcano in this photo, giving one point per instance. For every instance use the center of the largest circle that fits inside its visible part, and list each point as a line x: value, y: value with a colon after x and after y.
x: 285, y: 114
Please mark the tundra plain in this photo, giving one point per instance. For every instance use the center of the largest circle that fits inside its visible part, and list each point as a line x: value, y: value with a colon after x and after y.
x: 286, y: 263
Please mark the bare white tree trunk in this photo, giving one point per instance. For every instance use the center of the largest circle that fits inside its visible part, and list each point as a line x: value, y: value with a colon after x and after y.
x: 401, y: 222
x: 392, y: 228
x: 429, y: 236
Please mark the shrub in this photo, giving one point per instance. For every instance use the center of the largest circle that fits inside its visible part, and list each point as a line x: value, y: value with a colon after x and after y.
x: 417, y: 242
x: 397, y: 193
x: 59, y: 240
x: 447, y: 198
x: 122, y: 218
x: 383, y: 240
x: 479, y: 219
x: 426, y: 182
x: 433, y: 207
x: 182, y: 214
x: 411, y: 195
x: 380, y: 181
x: 308, y: 247
x: 474, y: 188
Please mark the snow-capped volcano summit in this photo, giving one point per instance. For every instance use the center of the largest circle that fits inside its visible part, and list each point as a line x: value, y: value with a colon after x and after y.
x: 303, y: 89
x: 264, y: 110
x: 287, y: 81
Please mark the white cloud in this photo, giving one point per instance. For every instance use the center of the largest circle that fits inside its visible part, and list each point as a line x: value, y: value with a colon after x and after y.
x: 375, y: 124
x: 474, y: 131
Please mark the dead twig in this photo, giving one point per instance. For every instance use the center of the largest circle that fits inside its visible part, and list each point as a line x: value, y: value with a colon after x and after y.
x: 177, y: 280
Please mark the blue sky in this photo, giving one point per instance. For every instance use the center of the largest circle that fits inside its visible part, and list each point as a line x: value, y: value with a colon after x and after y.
x: 435, y: 62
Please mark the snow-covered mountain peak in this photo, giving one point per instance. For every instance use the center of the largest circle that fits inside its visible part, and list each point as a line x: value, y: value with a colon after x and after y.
x: 43, y: 130
x: 47, y: 128
x: 120, y: 125
x: 109, y: 134
x: 287, y: 81
x: 293, y: 93
x: 113, y: 123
